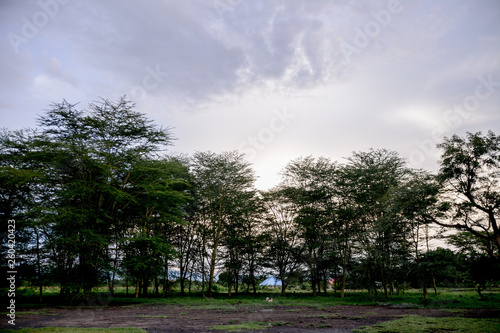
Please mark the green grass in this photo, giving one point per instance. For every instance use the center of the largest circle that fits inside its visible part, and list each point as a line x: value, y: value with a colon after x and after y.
x: 76, y: 330
x: 248, y: 325
x: 281, y: 323
x: 41, y: 312
x: 447, y: 298
x: 336, y: 316
x: 413, y: 324
x: 325, y: 316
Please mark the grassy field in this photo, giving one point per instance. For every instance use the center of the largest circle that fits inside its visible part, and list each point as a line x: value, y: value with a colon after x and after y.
x: 75, y: 330
x: 413, y: 324
x: 452, y: 300
x: 447, y: 298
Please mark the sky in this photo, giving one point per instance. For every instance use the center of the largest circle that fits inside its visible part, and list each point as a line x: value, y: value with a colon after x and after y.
x: 273, y: 79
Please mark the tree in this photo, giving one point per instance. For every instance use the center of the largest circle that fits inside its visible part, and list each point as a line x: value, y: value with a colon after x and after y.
x: 470, y: 174
x: 21, y: 172
x: 244, y: 243
x: 284, y: 250
x: 474, y: 260
x: 160, y: 192
x: 308, y: 184
x: 221, y: 182
x: 81, y: 162
x: 371, y: 176
x: 413, y: 205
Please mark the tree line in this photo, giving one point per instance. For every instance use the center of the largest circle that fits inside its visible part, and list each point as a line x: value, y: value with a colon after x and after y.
x: 97, y: 199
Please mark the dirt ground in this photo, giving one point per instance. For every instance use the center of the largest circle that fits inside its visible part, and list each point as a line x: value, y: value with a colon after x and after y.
x: 174, y: 318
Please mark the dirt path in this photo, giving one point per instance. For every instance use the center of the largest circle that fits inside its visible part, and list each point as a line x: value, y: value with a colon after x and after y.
x: 173, y: 318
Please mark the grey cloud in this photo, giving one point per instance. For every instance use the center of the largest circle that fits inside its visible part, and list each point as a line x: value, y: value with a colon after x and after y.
x: 267, y: 39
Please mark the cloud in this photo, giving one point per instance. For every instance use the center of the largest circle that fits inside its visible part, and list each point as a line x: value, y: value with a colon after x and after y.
x: 217, y: 70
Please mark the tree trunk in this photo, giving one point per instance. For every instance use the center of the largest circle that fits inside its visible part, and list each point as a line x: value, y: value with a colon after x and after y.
x: 40, y: 281
x: 157, y: 286
x: 190, y: 277
x: 324, y: 283
x: 424, y: 290
x: 283, y: 288
x: 386, y: 293
x: 137, y: 285
x: 313, y: 273
x: 145, y: 285
x: 283, y: 284
x: 344, y: 264
x: 110, y: 285
x: 165, y: 279
x: 434, y: 285
x: 236, y: 283
x: 384, y: 283
x: 211, y: 272
x: 182, y: 276
x: 202, y: 276
x: 479, y: 291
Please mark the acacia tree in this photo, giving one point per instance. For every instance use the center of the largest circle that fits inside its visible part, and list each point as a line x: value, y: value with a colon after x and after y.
x: 221, y: 183
x: 473, y: 259
x: 21, y: 171
x: 372, y: 175
x: 86, y: 158
x: 345, y: 226
x: 243, y: 242
x: 414, y: 205
x: 186, y: 241
x: 308, y: 185
x: 284, y: 249
x: 470, y: 174
x: 160, y: 192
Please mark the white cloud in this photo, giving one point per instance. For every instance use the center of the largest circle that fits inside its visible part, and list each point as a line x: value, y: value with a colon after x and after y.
x: 217, y: 76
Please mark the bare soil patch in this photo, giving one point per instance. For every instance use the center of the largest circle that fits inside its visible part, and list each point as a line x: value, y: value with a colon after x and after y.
x: 175, y: 318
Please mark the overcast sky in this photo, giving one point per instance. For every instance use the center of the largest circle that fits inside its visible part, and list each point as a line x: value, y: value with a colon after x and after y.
x: 275, y: 80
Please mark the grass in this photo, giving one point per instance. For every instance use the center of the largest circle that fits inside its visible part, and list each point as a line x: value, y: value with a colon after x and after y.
x: 247, y: 325
x: 336, y: 316
x: 447, y: 298
x: 281, y: 323
x: 76, y: 330
x: 41, y: 312
x: 325, y: 316
x: 413, y: 324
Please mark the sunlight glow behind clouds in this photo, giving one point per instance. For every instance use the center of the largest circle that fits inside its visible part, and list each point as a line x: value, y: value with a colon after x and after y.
x: 217, y: 76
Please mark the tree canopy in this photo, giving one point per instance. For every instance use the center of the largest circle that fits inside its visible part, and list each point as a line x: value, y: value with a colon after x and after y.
x: 97, y: 199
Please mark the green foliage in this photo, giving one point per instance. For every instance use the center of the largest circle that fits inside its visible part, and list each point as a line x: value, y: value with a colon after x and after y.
x: 224, y: 194
x: 308, y: 187
x: 96, y: 202
x: 470, y: 170
x: 84, y: 170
